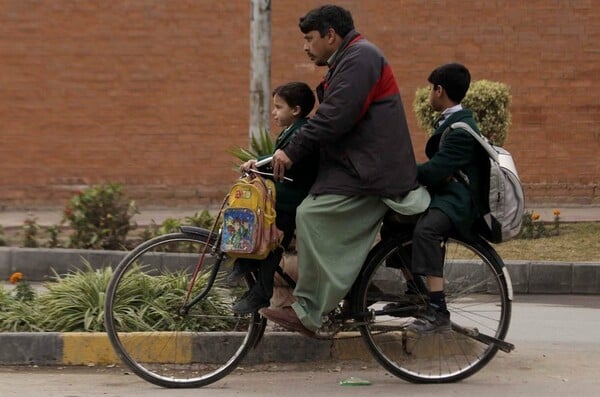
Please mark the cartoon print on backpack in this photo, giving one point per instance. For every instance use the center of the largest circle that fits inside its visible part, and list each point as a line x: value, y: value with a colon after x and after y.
x: 238, y: 231
x: 249, y: 228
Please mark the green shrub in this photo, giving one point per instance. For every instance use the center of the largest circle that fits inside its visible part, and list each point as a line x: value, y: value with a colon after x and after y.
x: 100, y: 217
x: 489, y: 102
x: 4, y: 296
x: 53, y: 233
x: 30, y: 231
x: 19, y: 316
x: 18, y: 308
x: 146, y: 303
x: 169, y: 225
x: 75, y: 302
x: 201, y: 219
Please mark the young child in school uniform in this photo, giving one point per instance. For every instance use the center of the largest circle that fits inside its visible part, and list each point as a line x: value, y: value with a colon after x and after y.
x: 455, y: 157
x: 292, y: 103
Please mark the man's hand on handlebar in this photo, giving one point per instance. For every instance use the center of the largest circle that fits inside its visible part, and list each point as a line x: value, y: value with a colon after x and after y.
x: 280, y: 162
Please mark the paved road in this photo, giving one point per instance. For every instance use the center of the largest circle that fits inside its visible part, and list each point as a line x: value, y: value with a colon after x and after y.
x: 557, y: 354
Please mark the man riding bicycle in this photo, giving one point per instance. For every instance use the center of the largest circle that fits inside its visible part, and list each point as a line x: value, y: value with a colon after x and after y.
x: 366, y: 166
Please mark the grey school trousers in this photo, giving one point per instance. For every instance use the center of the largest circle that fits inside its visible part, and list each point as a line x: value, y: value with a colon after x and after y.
x: 334, y: 235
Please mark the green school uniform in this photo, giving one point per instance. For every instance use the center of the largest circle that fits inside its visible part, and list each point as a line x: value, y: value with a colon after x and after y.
x: 459, y: 151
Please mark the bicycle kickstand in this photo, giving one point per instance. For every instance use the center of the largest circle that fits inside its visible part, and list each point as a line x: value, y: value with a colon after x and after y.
x: 474, y: 333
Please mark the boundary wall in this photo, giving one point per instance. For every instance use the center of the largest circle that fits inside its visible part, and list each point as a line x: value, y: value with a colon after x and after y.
x: 152, y: 94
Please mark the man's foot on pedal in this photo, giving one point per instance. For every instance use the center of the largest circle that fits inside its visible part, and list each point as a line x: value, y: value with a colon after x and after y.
x: 431, y: 321
x: 287, y: 317
x: 250, y: 302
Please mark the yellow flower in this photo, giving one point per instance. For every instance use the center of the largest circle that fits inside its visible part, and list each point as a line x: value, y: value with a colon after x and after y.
x: 535, y: 216
x: 556, y: 212
x: 15, y: 277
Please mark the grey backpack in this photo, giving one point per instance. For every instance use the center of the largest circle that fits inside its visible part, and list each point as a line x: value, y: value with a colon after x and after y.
x: 506, y: 198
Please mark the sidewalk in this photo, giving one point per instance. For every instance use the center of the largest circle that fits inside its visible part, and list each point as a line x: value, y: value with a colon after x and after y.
x: 48, y: 217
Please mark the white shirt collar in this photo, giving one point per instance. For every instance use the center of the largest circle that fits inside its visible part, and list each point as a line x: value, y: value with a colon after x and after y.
x: 448, y: 111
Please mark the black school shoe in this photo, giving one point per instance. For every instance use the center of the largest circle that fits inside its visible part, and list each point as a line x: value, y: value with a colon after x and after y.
x: 250, y: 302
x: 240, y: 269
x: 431, y: 321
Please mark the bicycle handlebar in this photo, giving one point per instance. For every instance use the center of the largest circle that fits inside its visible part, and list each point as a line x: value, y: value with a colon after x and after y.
x: 263, y: 162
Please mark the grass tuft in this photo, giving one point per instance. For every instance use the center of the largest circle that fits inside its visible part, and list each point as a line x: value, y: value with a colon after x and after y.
x: 577, y: 242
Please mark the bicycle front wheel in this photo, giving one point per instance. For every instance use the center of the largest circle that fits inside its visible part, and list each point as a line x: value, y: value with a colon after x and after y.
x: 150, y: 332
x: 478, y: 296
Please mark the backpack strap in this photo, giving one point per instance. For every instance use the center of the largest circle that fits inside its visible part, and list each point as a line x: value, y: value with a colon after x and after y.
x: 483, y: 141
x: 460, y: 176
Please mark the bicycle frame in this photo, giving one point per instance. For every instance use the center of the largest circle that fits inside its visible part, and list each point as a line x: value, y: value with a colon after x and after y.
x: 381, y: 282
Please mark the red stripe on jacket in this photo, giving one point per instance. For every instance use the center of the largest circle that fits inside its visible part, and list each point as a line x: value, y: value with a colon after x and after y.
x: 384, y: 87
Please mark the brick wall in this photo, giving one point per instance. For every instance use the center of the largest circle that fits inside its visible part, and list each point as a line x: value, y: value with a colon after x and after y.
x: 150, y: 94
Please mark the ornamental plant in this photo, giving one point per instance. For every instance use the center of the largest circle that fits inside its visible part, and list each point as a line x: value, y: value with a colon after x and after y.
x: 75, y: 302
x: 23, y: 290
x: 556, y: 222
x: 18, y: 308
x: 489, y: 102
x: 533, y: 227
x: 259, y: 146
x: 53, y: 233
x: 201, y: 219
x: 100, y: 217
x: 30, y: 231
x: 146, y: 303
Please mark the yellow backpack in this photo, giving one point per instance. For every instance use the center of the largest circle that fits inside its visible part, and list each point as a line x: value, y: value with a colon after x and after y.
x: 249, y: 229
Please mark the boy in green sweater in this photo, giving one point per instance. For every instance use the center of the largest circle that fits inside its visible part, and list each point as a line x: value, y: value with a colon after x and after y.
x: 292, y: 103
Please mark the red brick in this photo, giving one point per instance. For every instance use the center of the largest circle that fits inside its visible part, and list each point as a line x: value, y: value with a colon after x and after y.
x: 151, y: 94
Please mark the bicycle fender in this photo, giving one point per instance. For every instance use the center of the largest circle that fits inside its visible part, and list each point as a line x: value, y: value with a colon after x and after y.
x: 198, y: 231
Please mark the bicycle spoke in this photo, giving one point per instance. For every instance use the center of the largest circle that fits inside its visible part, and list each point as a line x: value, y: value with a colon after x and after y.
x: 477, y: 299
x: 147, y: 328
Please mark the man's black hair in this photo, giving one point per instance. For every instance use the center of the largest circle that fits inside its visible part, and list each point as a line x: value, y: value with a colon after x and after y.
x: 325, y: 17
x: 454, y: 78
x: 297, y: 94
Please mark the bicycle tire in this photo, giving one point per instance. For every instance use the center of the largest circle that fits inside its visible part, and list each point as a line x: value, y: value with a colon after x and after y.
x: 478, y: 295
x: 147, y: 330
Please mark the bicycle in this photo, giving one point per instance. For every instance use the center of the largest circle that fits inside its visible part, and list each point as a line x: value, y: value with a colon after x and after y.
x: 184, y: 334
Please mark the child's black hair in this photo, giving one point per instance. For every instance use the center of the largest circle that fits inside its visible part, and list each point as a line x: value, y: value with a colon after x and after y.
x: 454, y: 78
x: 295, y: 94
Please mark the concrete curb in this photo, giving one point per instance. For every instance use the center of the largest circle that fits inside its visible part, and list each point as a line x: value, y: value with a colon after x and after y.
x: 94, y: 348
x: 39, y: 264
x: 554, y: 277
x: 528, y: 277
x: 80, y: 348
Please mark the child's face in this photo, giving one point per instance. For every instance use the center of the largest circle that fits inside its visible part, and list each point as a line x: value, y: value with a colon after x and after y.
x: 283, y: 114
x: 435, y: 96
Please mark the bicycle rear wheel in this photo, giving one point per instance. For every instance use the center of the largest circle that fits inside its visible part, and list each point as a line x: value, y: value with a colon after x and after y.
x: 149, y: 332
x: 478, y: 296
